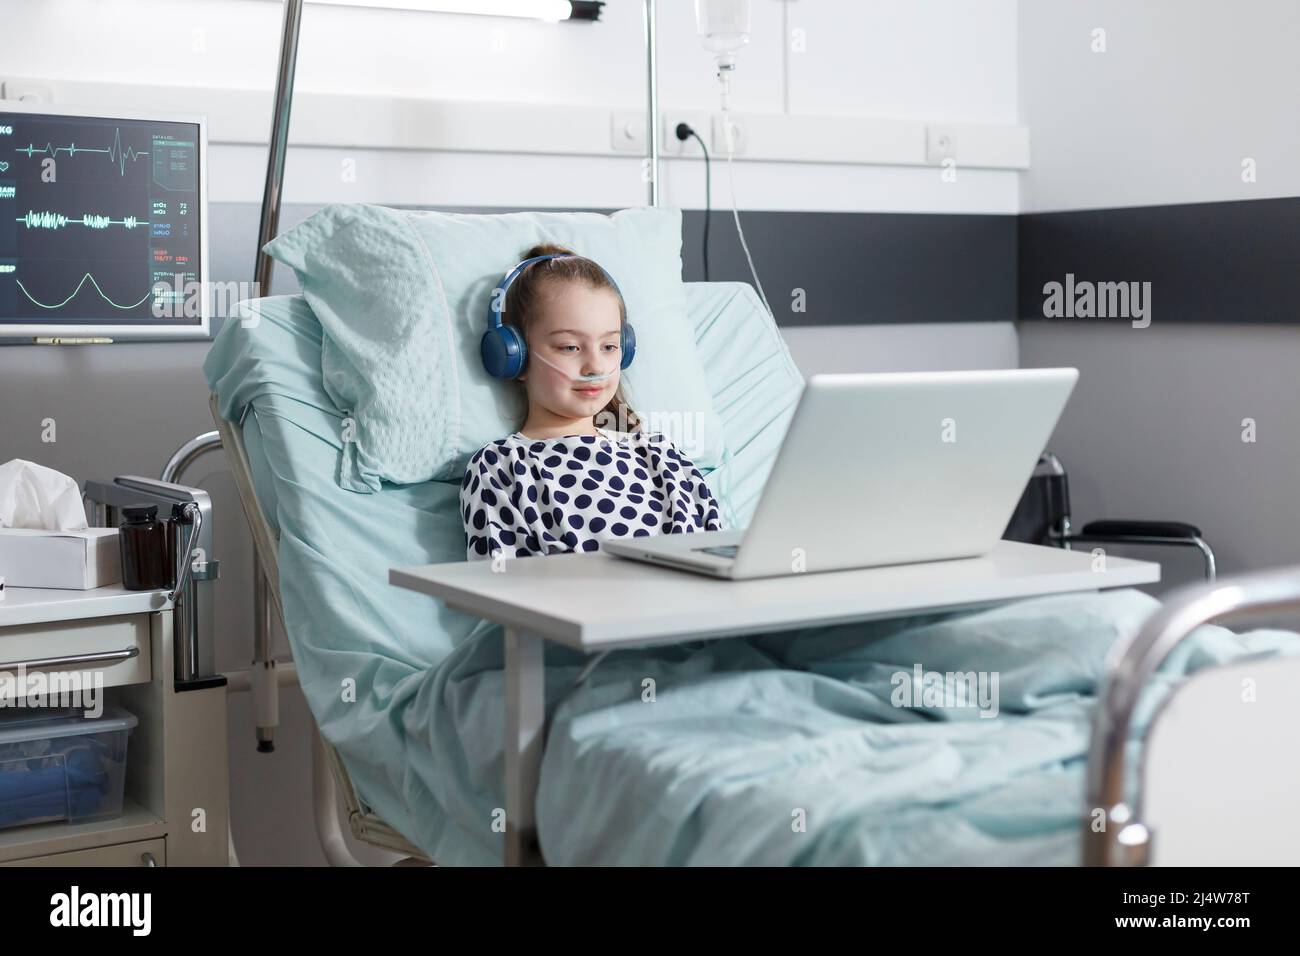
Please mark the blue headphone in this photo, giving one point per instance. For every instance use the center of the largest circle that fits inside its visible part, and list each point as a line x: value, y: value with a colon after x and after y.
x: 504, y: 350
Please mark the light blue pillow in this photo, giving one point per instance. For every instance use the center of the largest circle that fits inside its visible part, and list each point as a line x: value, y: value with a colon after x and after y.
x: 402, y: 298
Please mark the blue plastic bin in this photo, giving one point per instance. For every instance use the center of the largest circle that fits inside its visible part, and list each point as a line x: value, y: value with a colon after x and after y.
x: 62, y: 765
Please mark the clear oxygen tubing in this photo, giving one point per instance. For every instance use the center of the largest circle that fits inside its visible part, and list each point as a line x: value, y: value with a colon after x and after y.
x: 723, y: 495
x: 533, y: 354
x: 723, y: 488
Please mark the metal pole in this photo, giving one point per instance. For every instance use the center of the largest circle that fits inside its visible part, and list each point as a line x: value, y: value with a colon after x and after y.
x: 1124, y: 839
x: 325, y: 806
x: 652, y: 100
x: 279, y: 144
x: 262, y: 672
x: 183, y: 457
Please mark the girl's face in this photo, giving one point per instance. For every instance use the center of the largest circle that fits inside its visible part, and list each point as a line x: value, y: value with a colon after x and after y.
x: 576, y: 333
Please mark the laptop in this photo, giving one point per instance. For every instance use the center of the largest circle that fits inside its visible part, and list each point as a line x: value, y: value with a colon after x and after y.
x: 883, y: 469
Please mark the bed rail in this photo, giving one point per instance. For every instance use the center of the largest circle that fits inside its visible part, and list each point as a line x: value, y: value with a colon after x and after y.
x: 362, y: 820
x: 1123, y: 839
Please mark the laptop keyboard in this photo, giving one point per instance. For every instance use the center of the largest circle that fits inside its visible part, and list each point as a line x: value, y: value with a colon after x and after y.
x: 722, y: 550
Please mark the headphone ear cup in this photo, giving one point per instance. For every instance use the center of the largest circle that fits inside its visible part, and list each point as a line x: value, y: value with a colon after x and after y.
x: 504, y: 352
x: 627, y: 345
x: 519, y: 355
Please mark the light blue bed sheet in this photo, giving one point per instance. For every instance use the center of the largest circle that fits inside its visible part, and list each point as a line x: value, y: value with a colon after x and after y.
x: 782, y: 748
x: 787, y: 749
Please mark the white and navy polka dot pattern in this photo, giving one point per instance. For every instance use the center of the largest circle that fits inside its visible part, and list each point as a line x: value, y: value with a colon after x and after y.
x: 534, y: 496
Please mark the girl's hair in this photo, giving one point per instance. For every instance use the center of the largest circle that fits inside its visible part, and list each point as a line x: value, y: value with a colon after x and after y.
x: 524, y: 297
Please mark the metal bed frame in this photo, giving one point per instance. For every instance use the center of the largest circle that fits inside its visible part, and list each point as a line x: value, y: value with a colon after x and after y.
x: 1124, y: 839
x: 363, y: 821
x: 330, y: 780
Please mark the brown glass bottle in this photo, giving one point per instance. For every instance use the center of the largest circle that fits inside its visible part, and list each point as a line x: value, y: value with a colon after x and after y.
x: 144, y: 549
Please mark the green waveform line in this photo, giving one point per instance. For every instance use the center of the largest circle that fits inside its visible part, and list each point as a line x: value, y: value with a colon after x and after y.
x: 54, y: 220
x: 36, y: 301
x: 115, y: 152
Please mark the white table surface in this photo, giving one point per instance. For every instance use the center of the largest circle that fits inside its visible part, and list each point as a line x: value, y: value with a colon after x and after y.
x: 594, y: 601
x: 41, y: 605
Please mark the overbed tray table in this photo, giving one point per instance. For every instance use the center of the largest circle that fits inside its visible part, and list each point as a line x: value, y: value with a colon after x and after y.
x: 540, y: 599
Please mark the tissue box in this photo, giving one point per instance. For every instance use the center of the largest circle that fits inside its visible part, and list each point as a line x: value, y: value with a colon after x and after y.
x: 79, y: 560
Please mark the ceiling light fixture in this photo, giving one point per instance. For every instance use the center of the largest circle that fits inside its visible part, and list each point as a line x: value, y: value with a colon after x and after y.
x: 552, y: 10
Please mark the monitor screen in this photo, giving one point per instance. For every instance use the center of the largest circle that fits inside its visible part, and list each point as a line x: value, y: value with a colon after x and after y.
x: 101, y: 224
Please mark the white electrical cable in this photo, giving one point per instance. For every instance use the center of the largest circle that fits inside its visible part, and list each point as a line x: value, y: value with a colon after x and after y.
x: 727, y: 138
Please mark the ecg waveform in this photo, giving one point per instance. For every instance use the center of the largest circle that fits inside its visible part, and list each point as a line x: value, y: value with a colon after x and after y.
x: 54, y: 220
x: 115, y: 152
x: 102, y: 295
x: 98, y: 216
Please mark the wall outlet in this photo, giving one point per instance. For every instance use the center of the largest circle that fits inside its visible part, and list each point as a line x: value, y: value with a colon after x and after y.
x: 27, y: 92
x: 940, y: 144
x: 627, y: 132
x: 700, y: 122
x: 672, y: 146
x: 728, y: 125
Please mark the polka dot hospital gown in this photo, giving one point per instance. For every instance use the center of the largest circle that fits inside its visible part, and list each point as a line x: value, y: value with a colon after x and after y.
x: 535, y: 496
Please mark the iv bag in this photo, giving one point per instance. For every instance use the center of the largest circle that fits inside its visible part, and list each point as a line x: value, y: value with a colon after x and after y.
x: 723, y: 25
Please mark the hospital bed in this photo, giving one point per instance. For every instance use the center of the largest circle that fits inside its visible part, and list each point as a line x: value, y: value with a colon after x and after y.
x: 412, y: 728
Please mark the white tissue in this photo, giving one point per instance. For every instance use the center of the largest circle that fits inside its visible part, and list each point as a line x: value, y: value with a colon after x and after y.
x: 33, y: 496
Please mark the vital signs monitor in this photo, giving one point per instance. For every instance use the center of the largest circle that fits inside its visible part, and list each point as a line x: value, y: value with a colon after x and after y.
x: 103, y: 224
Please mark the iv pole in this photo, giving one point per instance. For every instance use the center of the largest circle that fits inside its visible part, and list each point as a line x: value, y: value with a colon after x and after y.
x: 273, y: 192
x: 652, y: 100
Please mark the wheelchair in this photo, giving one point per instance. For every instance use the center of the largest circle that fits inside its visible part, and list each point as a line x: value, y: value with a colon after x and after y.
x: 1043, y: 517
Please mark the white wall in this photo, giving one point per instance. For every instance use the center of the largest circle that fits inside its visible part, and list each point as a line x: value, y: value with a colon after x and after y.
x: 939, y: 60
x: 1186, y: 90
x: 925, y: 347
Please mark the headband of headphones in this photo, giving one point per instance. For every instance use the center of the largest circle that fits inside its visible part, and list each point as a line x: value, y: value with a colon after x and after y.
x: 503, y: 348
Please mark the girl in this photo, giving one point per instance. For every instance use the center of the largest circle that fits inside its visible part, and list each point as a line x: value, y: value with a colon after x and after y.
x: 565, y: 481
